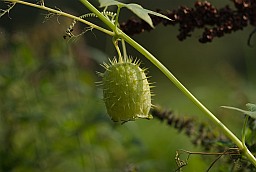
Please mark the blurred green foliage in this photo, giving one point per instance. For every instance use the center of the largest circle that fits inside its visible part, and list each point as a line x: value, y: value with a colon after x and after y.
x: 47, y: 105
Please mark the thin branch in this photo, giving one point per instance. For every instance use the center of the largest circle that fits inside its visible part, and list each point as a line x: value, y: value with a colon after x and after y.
x: 181, y: 163
x: 58, y: 12
x: 10, y: 6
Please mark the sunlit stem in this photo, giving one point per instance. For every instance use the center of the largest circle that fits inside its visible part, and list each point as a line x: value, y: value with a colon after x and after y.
x: 7, y: 10
x: 124, y: 49
x: 117, y: 15
x: 115, y: 42
x: 60, y: 13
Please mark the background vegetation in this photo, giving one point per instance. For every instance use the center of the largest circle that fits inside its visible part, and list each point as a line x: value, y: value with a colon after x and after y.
x: 52, y: 117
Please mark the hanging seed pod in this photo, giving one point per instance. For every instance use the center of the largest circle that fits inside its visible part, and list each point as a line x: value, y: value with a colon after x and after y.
x: 126, y: 90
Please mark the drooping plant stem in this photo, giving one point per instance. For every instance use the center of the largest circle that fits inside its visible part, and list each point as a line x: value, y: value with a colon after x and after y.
x: 175, y: 81
x: 60, y: 13
x: 189, y: 95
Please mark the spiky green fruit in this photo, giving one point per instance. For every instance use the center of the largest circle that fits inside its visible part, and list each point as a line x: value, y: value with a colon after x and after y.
x: 126, y: 90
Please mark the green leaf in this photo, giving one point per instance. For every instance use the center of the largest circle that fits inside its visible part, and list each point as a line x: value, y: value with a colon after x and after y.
x: 136, y: 9
x: 140, y: 12
x: 251, y: 112
x: 158, y: 14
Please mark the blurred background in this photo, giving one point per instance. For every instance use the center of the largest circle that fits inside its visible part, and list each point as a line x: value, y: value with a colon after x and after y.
x: 52, y: 117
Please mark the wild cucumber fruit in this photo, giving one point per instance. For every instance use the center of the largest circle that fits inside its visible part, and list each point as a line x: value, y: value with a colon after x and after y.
x: 126, y: 90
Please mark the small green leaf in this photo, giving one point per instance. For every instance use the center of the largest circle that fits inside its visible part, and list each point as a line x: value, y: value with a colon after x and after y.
x: 140, y: 12
x: 251, y: 112
x: 144, y: 13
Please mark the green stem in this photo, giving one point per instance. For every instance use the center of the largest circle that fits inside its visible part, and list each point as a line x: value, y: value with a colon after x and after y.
x: 124, y: 49
x: 60, y: 13
x: 176, y: 82
x: 183, y: 89
x: 98, y: 14
x: 117, y: 15
x: 189, y: 95
x: 115, y: 42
